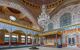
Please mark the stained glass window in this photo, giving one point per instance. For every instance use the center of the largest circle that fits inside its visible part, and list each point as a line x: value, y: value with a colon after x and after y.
x: 50, y: 26
x: 65, y: 19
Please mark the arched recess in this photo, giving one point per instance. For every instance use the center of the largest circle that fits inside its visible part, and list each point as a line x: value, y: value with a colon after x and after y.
x: 19, y: 7
x: 18, y: 37
x: 50, y: 26
x: 65, y: 19
x: 4, y: 37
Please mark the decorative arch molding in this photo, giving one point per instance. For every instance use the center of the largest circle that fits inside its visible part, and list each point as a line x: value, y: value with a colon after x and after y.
x: 18, y: 31
x: 74, y: 10
x: 66, y: 3
x: 24, y: 11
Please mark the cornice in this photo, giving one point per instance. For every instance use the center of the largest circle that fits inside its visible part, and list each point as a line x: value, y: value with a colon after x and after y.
x: 16, y: 24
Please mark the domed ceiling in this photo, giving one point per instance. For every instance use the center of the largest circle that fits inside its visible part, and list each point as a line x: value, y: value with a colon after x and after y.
x: 34, y: 6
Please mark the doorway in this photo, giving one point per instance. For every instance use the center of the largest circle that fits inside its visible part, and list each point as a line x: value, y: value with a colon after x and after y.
x: 71, y: 39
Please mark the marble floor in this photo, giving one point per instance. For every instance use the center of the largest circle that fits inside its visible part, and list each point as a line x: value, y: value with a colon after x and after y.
x: 45, y: 48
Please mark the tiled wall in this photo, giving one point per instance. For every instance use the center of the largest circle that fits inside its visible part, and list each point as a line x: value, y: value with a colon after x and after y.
x: 74, y: 10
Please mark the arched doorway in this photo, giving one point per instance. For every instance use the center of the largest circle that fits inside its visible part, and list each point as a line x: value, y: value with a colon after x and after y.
x: 71, y: 39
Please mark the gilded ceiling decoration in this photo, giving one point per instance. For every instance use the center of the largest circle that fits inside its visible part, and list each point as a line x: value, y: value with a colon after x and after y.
x: 27, y: 11
x: 6, y: 12
x: 4, y: 30
x: 63, y: 5
x: 35, y: 5
x: 19, y: 32
x: 39, y: 3
x: 14, y: 10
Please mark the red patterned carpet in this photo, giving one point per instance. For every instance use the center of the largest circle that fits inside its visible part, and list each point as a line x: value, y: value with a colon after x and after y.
x: 46, y: 48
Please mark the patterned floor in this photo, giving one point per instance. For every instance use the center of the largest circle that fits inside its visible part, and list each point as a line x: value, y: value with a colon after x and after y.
x: 44, y: 48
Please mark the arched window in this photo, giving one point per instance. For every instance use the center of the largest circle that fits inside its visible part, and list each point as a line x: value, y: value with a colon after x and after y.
x: 50, y: 26
x: 65, y: 19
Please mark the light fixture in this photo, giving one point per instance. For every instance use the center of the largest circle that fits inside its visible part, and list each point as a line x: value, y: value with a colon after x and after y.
x: 22, y: 36
x: 29, y: 37
x: 14, y: 36
x: 6, y: 35
x: 13, y: 18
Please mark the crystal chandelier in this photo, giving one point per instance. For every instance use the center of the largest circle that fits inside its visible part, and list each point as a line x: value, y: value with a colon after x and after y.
x: 44, y: 18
